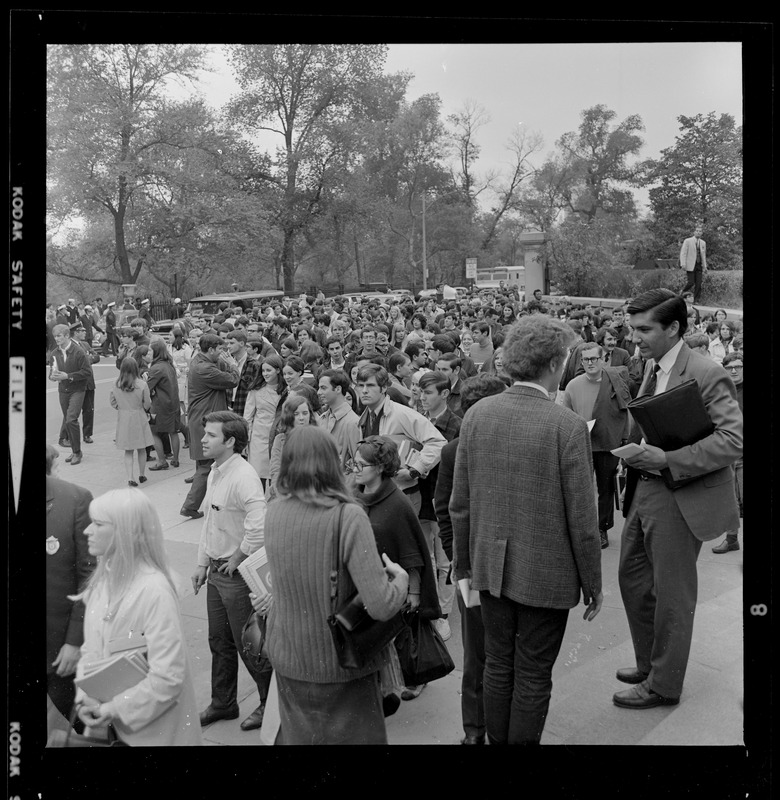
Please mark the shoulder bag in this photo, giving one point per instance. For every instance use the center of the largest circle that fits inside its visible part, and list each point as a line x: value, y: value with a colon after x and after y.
x: 357, y: 636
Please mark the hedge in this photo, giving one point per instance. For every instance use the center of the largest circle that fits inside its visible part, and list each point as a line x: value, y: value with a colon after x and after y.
x: 719, y: 287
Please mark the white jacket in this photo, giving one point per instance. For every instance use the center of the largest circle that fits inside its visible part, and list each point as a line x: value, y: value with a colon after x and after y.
x: 161, y: 709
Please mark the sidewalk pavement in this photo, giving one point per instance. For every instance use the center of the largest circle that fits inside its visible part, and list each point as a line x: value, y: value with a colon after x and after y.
x: 581, y: 709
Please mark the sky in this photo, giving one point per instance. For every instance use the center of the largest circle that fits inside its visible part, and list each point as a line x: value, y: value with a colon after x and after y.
x: 544, y: 87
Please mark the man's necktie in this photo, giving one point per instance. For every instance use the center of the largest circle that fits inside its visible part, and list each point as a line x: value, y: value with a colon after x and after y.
x: 372, y: 422
x: 653, y: 382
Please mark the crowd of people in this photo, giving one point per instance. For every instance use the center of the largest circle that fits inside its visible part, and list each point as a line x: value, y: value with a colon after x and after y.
x: 318, y: 418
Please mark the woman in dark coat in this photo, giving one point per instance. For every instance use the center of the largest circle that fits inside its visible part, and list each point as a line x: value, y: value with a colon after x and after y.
x: 398, y: 533
x: 164, y: 388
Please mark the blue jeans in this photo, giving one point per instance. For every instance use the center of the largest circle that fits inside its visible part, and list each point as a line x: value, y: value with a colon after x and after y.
x: 521, y: 645
x: 228, y: 606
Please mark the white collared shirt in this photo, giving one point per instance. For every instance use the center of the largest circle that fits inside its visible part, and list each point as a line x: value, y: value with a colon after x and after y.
x: 665, y: 364
x: 535, y: 386
x: 234, y: 511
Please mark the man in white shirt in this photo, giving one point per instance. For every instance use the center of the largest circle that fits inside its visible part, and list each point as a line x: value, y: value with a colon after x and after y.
x: 232, y: 530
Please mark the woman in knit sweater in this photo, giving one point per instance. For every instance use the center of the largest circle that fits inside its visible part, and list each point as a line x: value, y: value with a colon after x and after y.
x: 320, y: 702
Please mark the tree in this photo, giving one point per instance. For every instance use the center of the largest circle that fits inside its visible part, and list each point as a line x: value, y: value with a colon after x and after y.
x: 594, y: 162
x: 699, y: 178
x: 312, y: 96
x: 119, y: 147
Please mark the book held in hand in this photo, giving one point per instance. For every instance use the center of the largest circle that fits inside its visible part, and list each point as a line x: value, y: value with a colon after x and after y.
x: 105, y: 678
x: 256, y: 572
x: 673, y: 419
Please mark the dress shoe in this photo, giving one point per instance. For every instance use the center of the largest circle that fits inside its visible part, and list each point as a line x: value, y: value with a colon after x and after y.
x: 75, y: 460
x: 725, y: 547
x: 69, y: 459
x: 254, y: 720
x: 630, y: 675
x: 604, y: 539
x: 190, y: 479
x: 89, y: 440
x: 174, y: 463
x: 641, y: 696
x: 142, y: 479
x: 151, y: 457
x: 132, y: 483
x: 470, y: 739
x: 161, y: 465
x: 212, y: 714
x: 63, y: 443
x: 192, y: 515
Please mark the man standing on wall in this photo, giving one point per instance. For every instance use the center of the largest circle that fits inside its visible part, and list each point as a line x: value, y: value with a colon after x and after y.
x: 693, y: 259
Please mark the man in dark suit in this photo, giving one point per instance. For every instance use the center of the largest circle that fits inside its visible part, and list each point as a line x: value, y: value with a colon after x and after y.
x: 111, y: 345
x: 212, y: 374
x: 70, y: 368
x: 525, y: 527
x: 472, y: 632
x: 664, y: 529
x: 88, y: 406
x: 614, y: 356
x: 68, y: 565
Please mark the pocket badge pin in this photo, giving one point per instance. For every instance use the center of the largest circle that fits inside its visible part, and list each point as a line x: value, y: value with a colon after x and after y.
x: 52, y: 545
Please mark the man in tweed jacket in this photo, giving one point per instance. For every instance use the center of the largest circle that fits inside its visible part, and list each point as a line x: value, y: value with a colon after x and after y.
x: 525, y: 527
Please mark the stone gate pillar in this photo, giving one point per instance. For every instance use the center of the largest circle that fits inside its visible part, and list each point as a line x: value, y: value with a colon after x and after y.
x: 536, y: 276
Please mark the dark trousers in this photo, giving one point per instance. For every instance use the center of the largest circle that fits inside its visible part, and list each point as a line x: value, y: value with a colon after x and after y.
x: 88, y: 412
x: 694, y: 282
x: 111, y: 344
x: 71, y: 403
x: 198, y: 487
x: 521, y: 645
x: 659, y: 585
x: 604, y: 465
x: 472, y: 707
x: 228, y: 606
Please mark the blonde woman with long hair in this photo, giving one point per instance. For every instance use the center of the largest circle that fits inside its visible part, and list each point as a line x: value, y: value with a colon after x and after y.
x: 131, y: 598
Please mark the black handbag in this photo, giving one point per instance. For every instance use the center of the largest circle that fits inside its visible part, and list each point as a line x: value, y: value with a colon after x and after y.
x: 357, y: 637
x: 421, y: 650
x: 253, y: 637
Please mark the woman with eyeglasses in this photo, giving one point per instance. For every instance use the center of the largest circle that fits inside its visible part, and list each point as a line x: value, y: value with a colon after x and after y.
x: 320, y: 702
x: 398, y: 533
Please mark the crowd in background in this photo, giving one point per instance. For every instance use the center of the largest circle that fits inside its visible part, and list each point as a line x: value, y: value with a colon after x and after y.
x: 371, y: 378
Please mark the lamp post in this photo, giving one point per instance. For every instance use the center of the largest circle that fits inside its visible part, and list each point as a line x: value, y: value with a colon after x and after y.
x: 424, y: 258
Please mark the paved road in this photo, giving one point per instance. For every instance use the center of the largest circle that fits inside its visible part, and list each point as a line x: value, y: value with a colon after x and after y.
x: 581, y: 711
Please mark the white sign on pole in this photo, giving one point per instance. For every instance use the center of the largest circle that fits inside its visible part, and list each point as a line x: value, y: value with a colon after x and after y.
x: 471, y: 268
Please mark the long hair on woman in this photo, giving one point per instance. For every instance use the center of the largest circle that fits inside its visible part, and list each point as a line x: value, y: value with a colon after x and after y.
x: 160, y: 352
x: 275, y: 361
x: 310, y: 468
x: 137, y: 541
x: 128, y: 375
x: 290, y: 406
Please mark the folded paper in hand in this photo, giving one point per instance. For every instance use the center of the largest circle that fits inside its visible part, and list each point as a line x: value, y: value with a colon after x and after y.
x: 470, y: 596
x: 256, y: 573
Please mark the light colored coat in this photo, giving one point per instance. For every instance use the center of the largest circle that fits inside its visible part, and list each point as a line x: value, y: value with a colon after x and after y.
x: 161, y: 709
x: 688, y: 254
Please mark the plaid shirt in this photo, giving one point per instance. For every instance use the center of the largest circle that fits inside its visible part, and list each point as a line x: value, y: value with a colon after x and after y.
x: 248, y: 375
